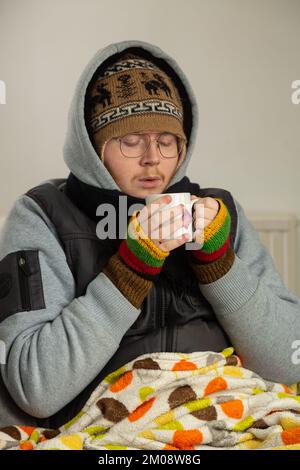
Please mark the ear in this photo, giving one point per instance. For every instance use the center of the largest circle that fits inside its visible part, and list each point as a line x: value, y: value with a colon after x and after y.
x: 101, y: 152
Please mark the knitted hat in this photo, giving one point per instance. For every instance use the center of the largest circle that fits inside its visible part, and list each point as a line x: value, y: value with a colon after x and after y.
x: 132, y: 95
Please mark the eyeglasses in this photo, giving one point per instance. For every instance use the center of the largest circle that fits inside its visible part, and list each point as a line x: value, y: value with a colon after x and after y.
x: 135, y: 145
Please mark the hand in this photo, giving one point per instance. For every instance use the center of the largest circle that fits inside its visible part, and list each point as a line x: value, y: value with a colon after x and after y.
x: 215, y: 256
x: 160, y: 224
x: 203, y: 216
x: 145, y: 250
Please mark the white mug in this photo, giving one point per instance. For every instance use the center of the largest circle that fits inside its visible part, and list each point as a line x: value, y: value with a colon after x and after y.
x: 180, y: 198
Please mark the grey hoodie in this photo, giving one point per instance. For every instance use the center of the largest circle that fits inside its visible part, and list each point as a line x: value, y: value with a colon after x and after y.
x: 54, y: 352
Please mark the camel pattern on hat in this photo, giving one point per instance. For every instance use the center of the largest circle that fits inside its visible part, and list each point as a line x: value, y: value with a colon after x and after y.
x: 129, y: 88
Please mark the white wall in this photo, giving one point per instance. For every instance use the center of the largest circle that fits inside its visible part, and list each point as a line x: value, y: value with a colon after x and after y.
x: 241, y: 57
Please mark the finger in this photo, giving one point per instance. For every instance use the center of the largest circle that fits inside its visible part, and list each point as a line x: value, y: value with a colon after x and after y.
x: 200, y: 212
x: 202, y: 224
x: 145, y: 215
x: 167, y: 232
x: 208, y: 203
x: 169, y: 245
x: 163, y: 219
x: 198, y: 237
x: 187, y: 217
x: 211, y: 203
x: 198, y: 197
x: 152, y: 208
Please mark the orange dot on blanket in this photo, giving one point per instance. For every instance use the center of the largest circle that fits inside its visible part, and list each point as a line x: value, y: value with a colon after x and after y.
x: 184, y: 365
x: 28, y: 429
x: 234, y: 409
x: 215, y: 385
x: 287, y: 389
x: 169, y: 447
x: 291, y: 436
x: 122, y: 383
x: 187, y: 439
x: 141, y: 410
x: 26, y: 446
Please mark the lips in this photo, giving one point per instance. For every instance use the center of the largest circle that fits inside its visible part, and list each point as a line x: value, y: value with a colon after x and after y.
x: 150, y: 181
x: 150, y: 178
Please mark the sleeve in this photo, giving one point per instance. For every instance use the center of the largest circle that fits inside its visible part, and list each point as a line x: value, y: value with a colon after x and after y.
x: 55, y: 344
x: 260, y: 316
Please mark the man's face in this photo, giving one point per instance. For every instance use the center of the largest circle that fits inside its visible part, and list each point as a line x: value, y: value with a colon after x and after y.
x: 130, y: 173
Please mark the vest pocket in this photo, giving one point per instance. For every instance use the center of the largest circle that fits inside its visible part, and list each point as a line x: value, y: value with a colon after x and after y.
x: 21, y: 286
x: 24, y: 273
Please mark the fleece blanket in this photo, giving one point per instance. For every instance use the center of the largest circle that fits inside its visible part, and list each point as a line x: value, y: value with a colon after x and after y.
x: 174, y: 401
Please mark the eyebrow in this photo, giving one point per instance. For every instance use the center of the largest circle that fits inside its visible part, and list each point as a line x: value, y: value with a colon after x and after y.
x: 155, y: 133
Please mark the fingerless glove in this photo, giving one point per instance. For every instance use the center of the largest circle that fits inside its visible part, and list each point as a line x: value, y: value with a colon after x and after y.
x: 216, y: 256
x: 136, y: 265
x: 139, y: 252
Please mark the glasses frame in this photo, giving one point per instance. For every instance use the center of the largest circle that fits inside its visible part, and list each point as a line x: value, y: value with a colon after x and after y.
x: 182, y: 140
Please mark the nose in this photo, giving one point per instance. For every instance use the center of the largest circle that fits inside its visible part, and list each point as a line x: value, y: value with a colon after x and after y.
x: 152, y: 154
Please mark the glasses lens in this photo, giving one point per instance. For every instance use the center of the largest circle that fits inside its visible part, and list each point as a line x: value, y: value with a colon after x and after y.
x: 170, y: 145
x: 135, y: 145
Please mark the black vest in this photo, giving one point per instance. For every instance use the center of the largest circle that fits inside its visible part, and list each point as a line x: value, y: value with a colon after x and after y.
x: 175, y: 316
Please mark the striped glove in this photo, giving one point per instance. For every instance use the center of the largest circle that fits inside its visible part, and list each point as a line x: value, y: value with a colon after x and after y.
x: 216, y: 256
x: 136, y: 265
x: 139, y: 252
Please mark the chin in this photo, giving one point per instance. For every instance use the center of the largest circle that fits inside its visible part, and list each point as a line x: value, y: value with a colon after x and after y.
x: 143, y: 193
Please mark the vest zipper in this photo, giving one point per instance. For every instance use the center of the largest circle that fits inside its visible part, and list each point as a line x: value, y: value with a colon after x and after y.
x: 168, y: 338
x: 169, y: 341
x: 169, y: 328
x: 24, y: 272
x: 160, y: 315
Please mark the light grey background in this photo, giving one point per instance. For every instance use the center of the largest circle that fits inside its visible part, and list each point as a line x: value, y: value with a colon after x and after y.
x: 241, y: 57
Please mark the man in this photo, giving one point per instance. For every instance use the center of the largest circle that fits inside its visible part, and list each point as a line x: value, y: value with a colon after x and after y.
x: 74, y: 307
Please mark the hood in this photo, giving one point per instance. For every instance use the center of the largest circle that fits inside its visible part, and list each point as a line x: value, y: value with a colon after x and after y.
x: 79, y: 153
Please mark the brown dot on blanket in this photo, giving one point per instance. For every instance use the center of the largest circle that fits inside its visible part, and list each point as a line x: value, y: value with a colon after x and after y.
x: 231, y: 361
x: 50, y: 433
x: 12, y: 431
x: 206, y: 414
x: 112, y: 409
x: 181, y: 395
x: 260, y: 424
x: 147, y: 363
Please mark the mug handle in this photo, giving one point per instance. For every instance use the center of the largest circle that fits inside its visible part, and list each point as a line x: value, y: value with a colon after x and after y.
x: 193, y: 202
x: 193, y: 245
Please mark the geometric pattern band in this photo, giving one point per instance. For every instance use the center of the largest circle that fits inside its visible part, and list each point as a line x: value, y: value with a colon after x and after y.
x: 135, y: 109
x: 124, y: 65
